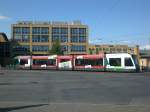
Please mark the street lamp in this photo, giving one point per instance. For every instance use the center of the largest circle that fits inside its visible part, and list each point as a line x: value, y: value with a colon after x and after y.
x: 30, y: 60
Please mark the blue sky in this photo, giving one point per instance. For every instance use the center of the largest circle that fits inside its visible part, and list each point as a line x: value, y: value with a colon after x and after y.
x: 109, y: 21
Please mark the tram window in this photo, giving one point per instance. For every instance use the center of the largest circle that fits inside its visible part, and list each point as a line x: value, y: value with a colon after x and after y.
x: 128, y: 62
x: 51, y: 62
x: 64, y: 60
x: 23, y: 61
x: 115, y: 61
x: 39, y: 62
x: 79, y: 62
x: 96, y: 62
x: 82, y: 62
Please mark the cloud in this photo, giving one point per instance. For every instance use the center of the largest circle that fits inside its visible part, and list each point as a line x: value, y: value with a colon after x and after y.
x: 4, y: 17
x: 126, y: 41
x: 145, y: 47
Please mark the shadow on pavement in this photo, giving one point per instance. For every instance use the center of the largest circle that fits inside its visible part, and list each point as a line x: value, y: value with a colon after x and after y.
x: 7, y: 109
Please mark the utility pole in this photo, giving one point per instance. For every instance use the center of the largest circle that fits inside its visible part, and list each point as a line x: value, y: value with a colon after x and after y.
x: 149, y: 43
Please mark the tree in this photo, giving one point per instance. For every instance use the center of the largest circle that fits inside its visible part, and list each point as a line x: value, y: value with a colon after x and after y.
x: 56, y: 48
x: 97, y: 50
x: 16, y: 49
x: 90, y: 50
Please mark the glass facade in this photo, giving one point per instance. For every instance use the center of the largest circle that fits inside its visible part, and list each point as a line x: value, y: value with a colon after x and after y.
x: 35, y: 38
x: 78, y: 48
x: 78, y: 31
x: 25, y: 38
x: 21, y: 30
x: 59, y: 30
x: 74, y: 31
x: 36, y: 30
x: 40, y: 30
x: 25, y: 30
x: 78, y: 35
x: 60, y: 33
x: 21, y: 34
x: 78, y: 39
x: 22, y: 48
x: 55, y: 30
x: 22, y: 38
x: 40, y: 38
x: 70, y: 36
x: 55, y: 37
x: 18, y: 38
x: 44, y: 38
x: 64, y: 31
x: 17, y: 30
x: 45, y: 30
x: 82, y: 31
x: 82, y: 38
x: 64, y: 38
x: 40, y: 48
x: 74, y: 39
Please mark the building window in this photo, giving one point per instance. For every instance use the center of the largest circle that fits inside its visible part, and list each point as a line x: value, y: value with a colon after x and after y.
x: 107, y: 49
x: 36, y: 38
x: 23, y: 48
x: 55, y: 37
x: 44, y: 38
x: 36, y: 30
x: 55, y: 30
x: 124, y: 49
x: 100, y: 49
x: 74, y: 39
x: 64, y: 30
x: 25, y: 38
x: 44, y: 30
x: 128, y: 62
x: 40, y: 38
x: 18, y: 38
x: 64, y: 38
x: 112, y: 49
x: 17, y: 30
x: 115, y: 61
x: 118, y: 49
x: 40, y: 48
x: 82, y: 31
x: 82, y: 39
x: 74, y: 31
x: 78, y: 48
x: 25, y: 30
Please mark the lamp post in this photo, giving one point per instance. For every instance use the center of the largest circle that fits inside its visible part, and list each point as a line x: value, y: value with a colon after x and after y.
x: 30, y: 60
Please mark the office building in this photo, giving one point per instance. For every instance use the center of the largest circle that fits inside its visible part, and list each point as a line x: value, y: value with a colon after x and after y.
x: 96, y: 49
x: 38, y: 37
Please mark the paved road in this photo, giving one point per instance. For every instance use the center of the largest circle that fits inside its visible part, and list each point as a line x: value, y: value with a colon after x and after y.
x: 72, y: 91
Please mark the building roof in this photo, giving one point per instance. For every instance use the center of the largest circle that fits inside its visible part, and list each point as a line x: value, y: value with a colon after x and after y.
x: 3, y: 37
x: 76, y: 22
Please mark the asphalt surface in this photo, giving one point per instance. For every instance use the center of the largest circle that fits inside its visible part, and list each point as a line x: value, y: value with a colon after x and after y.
x: 73, y: 91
